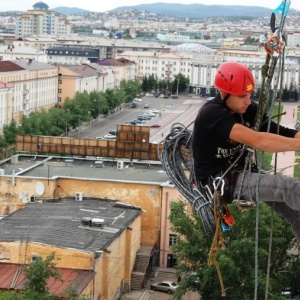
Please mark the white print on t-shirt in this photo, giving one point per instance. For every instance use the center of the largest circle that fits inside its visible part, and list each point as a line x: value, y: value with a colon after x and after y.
x: 224, y: 153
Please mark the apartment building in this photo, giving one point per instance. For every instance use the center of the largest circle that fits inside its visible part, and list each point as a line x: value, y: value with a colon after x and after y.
x: 164, y: 64
x: 41, y: 21
x: 122, y: 69
x: 6, y: 100
x: 33, y: 84
x: 80, y: 78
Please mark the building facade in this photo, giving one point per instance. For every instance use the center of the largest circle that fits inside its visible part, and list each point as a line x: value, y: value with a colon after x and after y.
x: 34, y: 87
x: 41, y: 21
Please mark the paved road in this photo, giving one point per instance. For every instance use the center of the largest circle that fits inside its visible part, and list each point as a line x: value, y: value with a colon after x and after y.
x: 182, y: 110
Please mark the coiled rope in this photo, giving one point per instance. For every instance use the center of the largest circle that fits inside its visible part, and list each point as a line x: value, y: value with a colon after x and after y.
x: 176, y: 158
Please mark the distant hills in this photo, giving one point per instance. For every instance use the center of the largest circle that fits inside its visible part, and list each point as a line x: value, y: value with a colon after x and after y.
x: 184, y: 10
x: 201, y: 10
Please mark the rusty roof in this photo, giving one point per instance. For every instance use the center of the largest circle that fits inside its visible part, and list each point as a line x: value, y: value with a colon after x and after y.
x: 110, y: 62
x: 9, y: 66
x: 12, y: 277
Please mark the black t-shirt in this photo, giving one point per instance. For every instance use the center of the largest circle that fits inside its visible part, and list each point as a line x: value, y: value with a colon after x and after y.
x: 212, y: 149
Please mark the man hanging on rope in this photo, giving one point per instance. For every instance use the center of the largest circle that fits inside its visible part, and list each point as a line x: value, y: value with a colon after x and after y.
x: 222, y: 130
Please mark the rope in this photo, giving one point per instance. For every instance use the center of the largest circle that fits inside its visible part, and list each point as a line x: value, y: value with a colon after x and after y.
x: 218, y: 240
x: 177, y: 160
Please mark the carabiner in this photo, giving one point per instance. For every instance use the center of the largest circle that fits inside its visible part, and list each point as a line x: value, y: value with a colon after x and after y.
x: 217, y: 185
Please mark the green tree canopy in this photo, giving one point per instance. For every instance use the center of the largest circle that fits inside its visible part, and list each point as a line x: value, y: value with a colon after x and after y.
x: 237, y: 259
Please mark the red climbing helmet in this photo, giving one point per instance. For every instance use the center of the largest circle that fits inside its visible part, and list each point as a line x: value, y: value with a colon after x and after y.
x: 234, y: 78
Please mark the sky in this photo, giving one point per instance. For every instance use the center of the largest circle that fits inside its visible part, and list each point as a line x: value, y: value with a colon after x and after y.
x: 103, y: 5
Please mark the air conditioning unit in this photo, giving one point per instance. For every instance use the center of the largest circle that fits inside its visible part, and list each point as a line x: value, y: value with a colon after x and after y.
x: 32, y: 199
x: 120, y: 165
x: 97, y: 222
x: 78, y: 196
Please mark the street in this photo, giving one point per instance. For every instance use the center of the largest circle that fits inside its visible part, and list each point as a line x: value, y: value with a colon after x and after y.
x: 182, y: 110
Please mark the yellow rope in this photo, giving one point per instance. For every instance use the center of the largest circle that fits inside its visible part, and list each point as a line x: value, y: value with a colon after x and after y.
x: 218, y: 242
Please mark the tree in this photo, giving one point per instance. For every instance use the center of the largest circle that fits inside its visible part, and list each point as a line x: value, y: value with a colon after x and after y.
x: 237, y: 259
x: 10, y: 132
x: 37, y: 274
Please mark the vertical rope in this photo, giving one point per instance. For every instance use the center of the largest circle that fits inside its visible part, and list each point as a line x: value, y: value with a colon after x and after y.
x: 218, y: 241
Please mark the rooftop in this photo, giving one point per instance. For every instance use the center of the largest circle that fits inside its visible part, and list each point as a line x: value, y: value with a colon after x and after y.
x: 52, y: 167
x: 90, y: 225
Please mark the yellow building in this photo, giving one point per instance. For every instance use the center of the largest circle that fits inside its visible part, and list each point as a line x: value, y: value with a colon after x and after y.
x: 41, y: 192
x: 94, y: 241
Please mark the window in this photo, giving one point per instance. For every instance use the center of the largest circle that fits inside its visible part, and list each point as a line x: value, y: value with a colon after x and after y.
x: 172, y: 239
x: 59, y: 91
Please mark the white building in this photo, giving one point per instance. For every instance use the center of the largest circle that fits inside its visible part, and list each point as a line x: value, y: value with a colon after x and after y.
x: 164, y: 64
x: 6, y: 102
x: 34, y: 87
x: 21, y: 52
x: 40, y: 21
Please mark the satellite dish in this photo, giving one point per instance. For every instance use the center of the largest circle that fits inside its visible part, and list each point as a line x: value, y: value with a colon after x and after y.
x: 23, y: 197
x: 39, y: 188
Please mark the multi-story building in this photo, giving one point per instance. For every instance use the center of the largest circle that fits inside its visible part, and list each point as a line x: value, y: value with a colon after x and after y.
x: 34, y: 87
x: 41, y: 21
x: 79, y: 78
x: 122, y: 69
x: 164, y: 64
x: 6, y: 96
x: 106, y: 74
x: 72, y: 55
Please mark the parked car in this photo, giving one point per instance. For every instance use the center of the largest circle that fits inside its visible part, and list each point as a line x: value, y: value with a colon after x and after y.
x: 150, y: 115
x: 109, y: 137
x: 149, y: 95
x: 134, y: 122
x: 155, y: 125
x: 113, y: 132
x: 142, y: 118
x: 161, y: 96
x: 133, y: 105
x: 146, y: 105
x: 137, y: 100
x: 164, y: 286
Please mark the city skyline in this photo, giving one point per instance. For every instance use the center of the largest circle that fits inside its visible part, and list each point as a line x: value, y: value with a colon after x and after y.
x: 90, y: 5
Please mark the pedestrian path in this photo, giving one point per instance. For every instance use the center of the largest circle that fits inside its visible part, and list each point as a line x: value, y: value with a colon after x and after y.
x: 286, y: 160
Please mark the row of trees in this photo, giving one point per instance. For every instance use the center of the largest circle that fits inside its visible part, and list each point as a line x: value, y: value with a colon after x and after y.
x: 236, y: 261
x: 82, y: 108
x: 151, y: 84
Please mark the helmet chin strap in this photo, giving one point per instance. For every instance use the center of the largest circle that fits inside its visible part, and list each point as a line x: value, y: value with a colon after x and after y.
x: 226, y: 98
